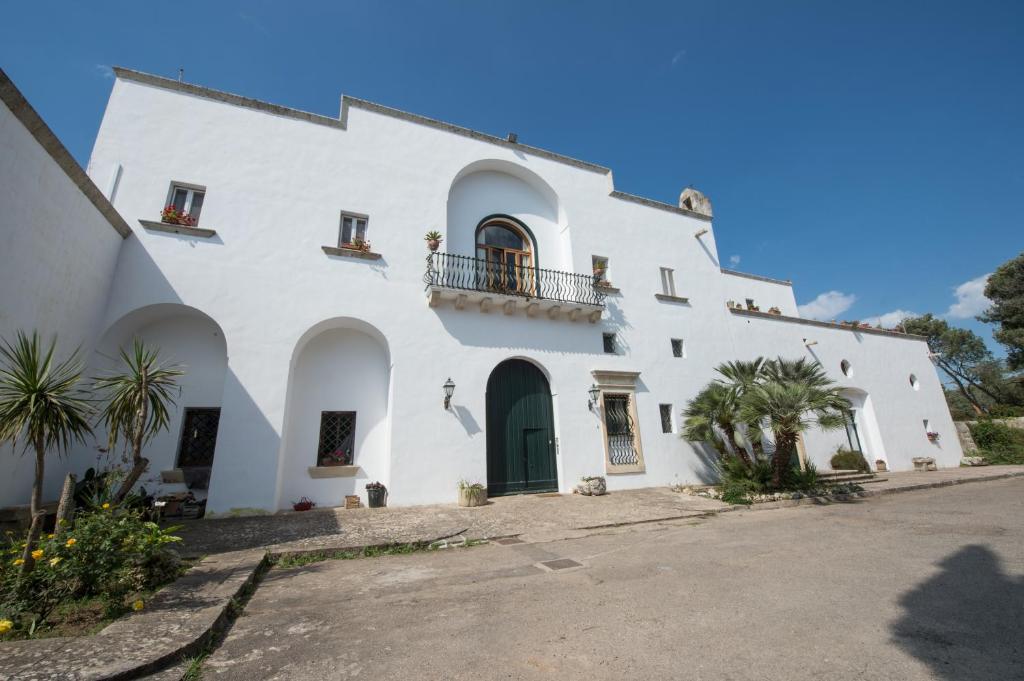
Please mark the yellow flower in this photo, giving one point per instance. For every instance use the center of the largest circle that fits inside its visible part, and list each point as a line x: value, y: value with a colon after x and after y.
x: 138, y: 605
x: 106, y: 506
x: 49, y: 536
x: 18, y: 561
x: 54, y: 561
x: 5, y: 626
x: 71, y: 542
x: 37, y: 554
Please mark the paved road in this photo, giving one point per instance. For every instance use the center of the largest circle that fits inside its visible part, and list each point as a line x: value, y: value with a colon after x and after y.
x: 921, y: 585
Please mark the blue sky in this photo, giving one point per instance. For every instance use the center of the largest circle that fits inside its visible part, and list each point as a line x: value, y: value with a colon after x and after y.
x: 870, y: 151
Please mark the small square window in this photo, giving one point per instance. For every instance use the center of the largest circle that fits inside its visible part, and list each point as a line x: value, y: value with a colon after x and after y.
x: 678, y: 349
x: 609, y: 343
x: 337, y: 438
x: 668, y: 282
x: 666, y: 418
x: 353, y: 229
x: 600, y: 265
x: 187, y: 200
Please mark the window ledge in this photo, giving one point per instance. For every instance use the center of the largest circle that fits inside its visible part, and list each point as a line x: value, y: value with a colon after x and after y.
x: 155, y: 226
x: 664, y: 297
x: 350, y: 253
x: 333, y: 471
x: 606, y: 288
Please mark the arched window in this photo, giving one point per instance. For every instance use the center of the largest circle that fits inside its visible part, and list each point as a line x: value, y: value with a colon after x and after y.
x: 506, y: 257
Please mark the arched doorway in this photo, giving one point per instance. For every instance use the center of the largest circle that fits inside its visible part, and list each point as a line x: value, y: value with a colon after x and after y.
x: 520, y: 430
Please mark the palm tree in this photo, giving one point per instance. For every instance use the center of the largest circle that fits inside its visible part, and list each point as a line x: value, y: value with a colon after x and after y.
x: 137, y: 404
x: 795, y: 396
x: 741, y: 377
x: 712, y: 408
x: 39, y: 401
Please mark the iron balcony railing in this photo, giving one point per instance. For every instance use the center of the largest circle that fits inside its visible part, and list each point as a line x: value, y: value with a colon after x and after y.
x: 447, y: 270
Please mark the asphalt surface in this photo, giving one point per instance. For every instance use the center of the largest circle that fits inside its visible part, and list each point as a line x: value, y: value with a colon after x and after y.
x: 921, y: 585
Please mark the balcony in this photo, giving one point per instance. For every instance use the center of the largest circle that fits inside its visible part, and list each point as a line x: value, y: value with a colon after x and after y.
x: 487, y: 285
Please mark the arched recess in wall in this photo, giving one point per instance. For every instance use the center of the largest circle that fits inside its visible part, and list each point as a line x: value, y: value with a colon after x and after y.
x: 336, y: 434
x: 494, y: 187
x: 191, y: 339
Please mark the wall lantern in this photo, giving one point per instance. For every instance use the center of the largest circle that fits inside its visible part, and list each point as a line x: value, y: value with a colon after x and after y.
x: 594, y: 393
x: 701, y: 232
x: 449, y: 390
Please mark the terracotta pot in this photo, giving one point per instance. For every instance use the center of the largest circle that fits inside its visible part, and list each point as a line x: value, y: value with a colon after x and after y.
x: 472, y: 497
x: 433, y: 244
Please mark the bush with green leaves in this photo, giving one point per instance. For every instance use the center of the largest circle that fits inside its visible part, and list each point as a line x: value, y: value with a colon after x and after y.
x: 849, y: 460
x: 110, y: 553
x: 998, y: 442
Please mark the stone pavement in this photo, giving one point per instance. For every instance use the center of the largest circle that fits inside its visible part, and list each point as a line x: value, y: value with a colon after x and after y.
x: 917, y: 587
x: 535, y: 517
x: 538, y: 515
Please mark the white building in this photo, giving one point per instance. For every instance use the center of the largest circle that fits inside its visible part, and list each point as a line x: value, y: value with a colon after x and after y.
x: 297, y: 346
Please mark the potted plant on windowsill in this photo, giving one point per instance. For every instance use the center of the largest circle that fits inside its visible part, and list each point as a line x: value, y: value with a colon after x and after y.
x: 600, y: 267
x: 336, y: 458
x: 433, y: 239
x: 472, y: 494
x: 932, y: 436
x: 357, y: 244
x: 774, y: 310
x: 171, y: 216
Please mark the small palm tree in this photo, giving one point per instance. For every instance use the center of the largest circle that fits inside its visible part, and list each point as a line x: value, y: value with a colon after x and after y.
x: 712, y: 408
x: 40, y: 401
x: 138, y: 400
x: 796, y: 396
x: 740, y: 377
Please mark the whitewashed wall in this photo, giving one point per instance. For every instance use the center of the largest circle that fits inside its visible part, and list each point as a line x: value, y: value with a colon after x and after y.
x: 57, y: 259
x: 275, y: 189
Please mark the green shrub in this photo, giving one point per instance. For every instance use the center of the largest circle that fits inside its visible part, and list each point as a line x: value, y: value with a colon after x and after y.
x: 998, y: 442
x: 849, y: 460
x: 805, y: 480
x: 108, y: 553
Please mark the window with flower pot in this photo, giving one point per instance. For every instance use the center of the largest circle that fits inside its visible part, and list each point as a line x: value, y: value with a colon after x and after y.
x: 184, y: 204
x: 353, y: 231
x: 337, y: 438
x: 599, y: 263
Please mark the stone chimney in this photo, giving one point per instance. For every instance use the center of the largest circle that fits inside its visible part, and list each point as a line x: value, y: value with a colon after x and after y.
x: 693, y: 200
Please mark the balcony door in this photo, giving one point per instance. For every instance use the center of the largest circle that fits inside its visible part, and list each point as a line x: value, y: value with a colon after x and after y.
x: 505, y: 261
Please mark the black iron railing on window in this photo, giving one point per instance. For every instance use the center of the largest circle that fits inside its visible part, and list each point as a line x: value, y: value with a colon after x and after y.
x: 462, y: 272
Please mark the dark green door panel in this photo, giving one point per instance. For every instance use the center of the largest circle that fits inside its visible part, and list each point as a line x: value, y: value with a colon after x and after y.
x: 520, y: 430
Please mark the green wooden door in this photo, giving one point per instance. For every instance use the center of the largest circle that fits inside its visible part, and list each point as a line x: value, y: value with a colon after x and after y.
x: 520, y: 431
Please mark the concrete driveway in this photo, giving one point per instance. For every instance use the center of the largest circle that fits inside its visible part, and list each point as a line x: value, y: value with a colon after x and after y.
x: 922, y: 585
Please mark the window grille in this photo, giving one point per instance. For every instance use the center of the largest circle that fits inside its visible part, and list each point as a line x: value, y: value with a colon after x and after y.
x: 666, y: 417
x: 198, y: 437
x: 620, y: 430
x: 337, y: 438
x: 609, y: 343
x: 677, y: 347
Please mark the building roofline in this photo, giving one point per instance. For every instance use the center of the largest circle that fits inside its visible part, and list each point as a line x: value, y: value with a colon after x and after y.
x: 758, y: 277
x: 37, y: 127
x: 348, y: 102
x: 826, y: 325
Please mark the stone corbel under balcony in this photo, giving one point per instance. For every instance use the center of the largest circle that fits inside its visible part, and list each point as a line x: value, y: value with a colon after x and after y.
x: 184, y: 230
x: 489, y: 302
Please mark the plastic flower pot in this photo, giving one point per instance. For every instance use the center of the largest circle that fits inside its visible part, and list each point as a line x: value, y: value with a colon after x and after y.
x: 433, y: 244
x: 377, y: 497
